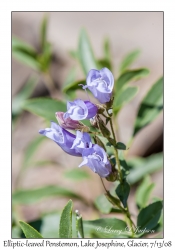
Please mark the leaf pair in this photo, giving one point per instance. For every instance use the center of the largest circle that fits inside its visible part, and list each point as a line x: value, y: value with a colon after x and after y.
x: 25, y: 53
x: 65, y: 225
x: 123, y: 92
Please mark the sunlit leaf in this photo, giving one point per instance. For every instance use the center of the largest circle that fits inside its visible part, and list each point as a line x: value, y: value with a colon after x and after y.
x: 44, y: 107
x: 43, y: 32
x: 128, y: 76
x: 24, y: 94
x: 106, y: 49
x: 125, y: 96
x: 85, y: 53
x: 143, y: 192
x: 25, y: 53
x: 31, y: 150
x: 50, y: 225
x: 150, y: 107
x: 76, y: 174
x: 67, y: 85
x: 128, y: 60
x: 65, y: 227
x: 103, y: 205
x: 29, y: 231
x: 79, y: 226
x: 71, y: 88
x: 139, y: 167
x: 101, y: 228
x: 16, y: 232
x: 28, y: 196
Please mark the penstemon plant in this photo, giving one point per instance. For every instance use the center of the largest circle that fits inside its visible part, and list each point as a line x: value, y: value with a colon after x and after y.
x: 88, y: 130
x: 94, y: 154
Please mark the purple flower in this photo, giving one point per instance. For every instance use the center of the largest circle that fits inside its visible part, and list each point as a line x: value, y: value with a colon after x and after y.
x: 68, y: 123
x: 100, y: 83
x: 62, y: 137
x: 80, y: 110
x: 97, y: 160
x: 81, y: 142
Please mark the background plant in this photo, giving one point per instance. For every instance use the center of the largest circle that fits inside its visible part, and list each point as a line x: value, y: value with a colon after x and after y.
x: 149, y: 109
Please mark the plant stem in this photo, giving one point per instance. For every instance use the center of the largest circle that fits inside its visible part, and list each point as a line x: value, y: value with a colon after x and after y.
x: 130, y: 221
x: 104, y: 185
x: 126, y: 211
x: 116, y: 152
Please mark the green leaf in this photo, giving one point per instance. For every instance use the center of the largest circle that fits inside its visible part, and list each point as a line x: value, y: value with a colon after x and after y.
x: 76, y: 174
x: 128, y: 76
x: 79, y: 225
x: 85, y: 53
x: 106, y: 49
x: 128, y: 60
x: 28, y: 196
x: 31, y: 150
x: 65, y: 228
x: 73, y: 54
x: 143, y: 192
x: 149, y: 216
x: 44, y: 107
x: 72, y: 87
x: 103, y: 205
x: 150, y: 107
x: 42, y: 163
x: 122, y: 191
x: 125, y: 96
x: 105, y: 228
x: 16, y: 232
x: 25, y: 53
x: 50, y: 224
x: 45, y: 58
x: 24, y: 94
x: 68, y: 84
x: 144, y: 166
x: 43, y: 32
x: 120, y: 146
x: 29, y: 231
x: 104, y: 63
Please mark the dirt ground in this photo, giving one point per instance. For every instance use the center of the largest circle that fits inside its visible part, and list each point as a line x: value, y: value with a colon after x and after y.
x: 127, y: 31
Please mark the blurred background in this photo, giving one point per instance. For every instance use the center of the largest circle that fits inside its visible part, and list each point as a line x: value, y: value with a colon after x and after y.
x: 38, y: 163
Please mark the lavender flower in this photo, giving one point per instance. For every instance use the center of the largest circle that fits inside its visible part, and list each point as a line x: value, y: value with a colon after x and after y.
x: 100, y: 83
x: 68, y: 123
x: 97, y: 160
x: 62, y: 137
x: 81, y: 142
x: 80, y: 110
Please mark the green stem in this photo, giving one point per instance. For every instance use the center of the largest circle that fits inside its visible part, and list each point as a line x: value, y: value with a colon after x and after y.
x: 114, y: 201
x: 130, y: 220
x: 116, y: 152
x: 104, y: 185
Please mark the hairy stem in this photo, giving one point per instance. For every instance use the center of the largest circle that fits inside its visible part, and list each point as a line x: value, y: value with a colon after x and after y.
x: 116, y: 151
x: 131, y: 223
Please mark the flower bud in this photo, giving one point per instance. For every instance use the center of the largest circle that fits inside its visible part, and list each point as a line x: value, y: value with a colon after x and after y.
x: 68, y: 123
x: 93, y: 122
x: 99, y: 142
x: 101, y: 109
x: 113, y: 175
x: 104, y: 130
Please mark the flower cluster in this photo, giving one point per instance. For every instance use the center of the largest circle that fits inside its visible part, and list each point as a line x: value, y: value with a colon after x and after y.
x: 100, y: 83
